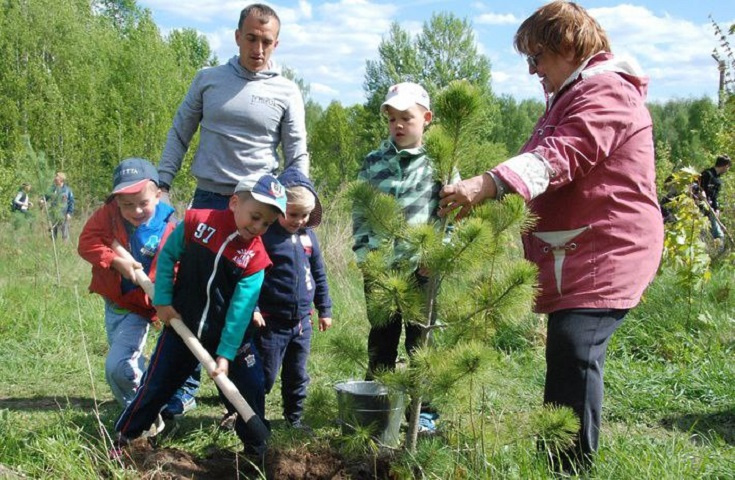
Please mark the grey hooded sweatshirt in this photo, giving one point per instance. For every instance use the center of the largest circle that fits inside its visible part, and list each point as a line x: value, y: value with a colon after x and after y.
x: 243, y: 116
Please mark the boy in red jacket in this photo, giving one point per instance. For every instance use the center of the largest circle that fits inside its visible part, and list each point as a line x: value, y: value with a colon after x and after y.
x: 134, y: 217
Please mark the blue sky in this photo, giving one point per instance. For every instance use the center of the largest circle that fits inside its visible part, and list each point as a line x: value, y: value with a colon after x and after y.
x: 328, y: 42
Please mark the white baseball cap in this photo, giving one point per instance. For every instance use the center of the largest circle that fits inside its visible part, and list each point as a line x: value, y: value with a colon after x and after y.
x: 403, y: 96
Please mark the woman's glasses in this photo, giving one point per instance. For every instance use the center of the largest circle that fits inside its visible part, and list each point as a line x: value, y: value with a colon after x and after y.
x: 532, y: 60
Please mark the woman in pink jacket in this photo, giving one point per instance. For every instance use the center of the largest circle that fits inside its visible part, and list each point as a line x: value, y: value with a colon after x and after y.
x: 587, y: 173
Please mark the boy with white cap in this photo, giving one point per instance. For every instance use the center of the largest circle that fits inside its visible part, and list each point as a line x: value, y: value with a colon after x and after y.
x: 134, y: 217
x: 399, y: 167
x: 221, y: 264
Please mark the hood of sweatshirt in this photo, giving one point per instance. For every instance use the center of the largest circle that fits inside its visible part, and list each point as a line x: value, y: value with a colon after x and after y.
x: 626, y: 67
x: 271, y: 70
x: 292, y: 177
x: 604, y: 62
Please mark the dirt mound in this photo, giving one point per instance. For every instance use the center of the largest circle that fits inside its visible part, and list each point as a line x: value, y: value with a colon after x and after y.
x: 168, y: 464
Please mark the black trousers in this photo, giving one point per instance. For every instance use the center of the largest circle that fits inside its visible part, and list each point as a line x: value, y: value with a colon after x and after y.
x: 576, y: 344
x: 383, y: 341
x: 383, y: 344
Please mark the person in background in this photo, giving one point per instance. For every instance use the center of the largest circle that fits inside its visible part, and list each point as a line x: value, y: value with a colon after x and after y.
x: 134, y: 217
x: 587, y: 173
x: 22, y: 201
x: 710, y: 183
x: 59, y: 204
x: 244, y: 110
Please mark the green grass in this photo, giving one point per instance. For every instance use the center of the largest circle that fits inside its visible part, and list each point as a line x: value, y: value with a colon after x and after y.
x: 669, y: 408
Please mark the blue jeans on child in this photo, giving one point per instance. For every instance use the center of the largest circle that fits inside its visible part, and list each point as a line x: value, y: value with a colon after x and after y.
x: 125, y: 363
x: 285, y: 345
x: 171, y: 363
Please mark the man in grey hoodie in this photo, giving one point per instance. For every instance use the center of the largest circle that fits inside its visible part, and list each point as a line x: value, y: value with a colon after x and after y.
x: 244, y: 110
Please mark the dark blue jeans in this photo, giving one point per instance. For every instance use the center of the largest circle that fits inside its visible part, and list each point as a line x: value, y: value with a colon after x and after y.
x: 576, y: 344
x: 285, y: 345
x: 205, y: 199
x: 171, y: 363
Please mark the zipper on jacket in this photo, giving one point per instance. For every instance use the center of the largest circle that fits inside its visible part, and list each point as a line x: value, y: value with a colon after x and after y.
x: 209, y: 283
x: 295, y: 243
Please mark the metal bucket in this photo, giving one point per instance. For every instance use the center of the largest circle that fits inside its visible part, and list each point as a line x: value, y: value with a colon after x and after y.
x: 371, y: 405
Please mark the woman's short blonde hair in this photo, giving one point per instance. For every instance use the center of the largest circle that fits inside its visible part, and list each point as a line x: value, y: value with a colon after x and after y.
x: 300, y: 197
x: 561, y: 27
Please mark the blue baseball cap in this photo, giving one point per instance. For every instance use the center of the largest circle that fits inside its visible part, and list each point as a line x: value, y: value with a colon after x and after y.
x: 265, y: 189
x: 132, y: 175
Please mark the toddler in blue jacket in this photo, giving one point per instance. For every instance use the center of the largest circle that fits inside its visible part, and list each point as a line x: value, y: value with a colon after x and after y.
x: 296, y: 282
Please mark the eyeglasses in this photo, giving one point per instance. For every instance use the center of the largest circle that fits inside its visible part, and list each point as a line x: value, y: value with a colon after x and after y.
x: 532, y: 60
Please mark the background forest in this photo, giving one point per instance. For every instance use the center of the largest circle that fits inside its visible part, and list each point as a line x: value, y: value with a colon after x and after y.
x: 85, y: 83
x: 89, y: 83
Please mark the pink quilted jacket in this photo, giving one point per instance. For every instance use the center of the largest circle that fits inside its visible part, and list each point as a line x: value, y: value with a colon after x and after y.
x: 588, y: 174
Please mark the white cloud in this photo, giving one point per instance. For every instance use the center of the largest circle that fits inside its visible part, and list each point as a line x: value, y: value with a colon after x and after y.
x: 656, y: 39
x: 515, y: 81
x: 675, y: 53
x: 305, y: 8
x: 222, y: 42
x: 496, y: 19
x: 206, y: 11
x: 328, y: 42
x: 323, y: 89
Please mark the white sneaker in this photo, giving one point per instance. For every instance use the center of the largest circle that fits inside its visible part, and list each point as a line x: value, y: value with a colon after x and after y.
x: 158, y: 426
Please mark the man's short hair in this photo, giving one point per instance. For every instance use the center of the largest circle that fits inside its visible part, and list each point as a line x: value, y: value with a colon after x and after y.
x: 262, y: 12
x: 723, y: 161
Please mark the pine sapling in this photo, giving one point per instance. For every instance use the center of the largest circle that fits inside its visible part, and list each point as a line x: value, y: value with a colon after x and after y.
x: 478, y: 257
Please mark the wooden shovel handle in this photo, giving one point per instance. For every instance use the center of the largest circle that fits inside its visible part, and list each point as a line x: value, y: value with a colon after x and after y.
x: 254, y: 424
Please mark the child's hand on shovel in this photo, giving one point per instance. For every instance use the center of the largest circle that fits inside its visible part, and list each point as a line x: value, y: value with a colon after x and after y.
x: 126, y: 267
x: 223, y: 367
x: 166, y: 313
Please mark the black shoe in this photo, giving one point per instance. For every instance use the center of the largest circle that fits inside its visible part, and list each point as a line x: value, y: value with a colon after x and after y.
x: 255, y: 453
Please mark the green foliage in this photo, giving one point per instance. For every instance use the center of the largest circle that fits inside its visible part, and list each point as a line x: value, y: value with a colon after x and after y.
x: 432, y: 459
x: 491, y: 283
x: 668, y: 410
x: 664, y: 167
x: 191, y: 49
x: 557, y: 428
x: 684, y: 249
x: 447, y: 51
x: 104, y: 86
x: 336, y: 148
x: 453, y: 137
x: 442, y: 52
x: 398, y: 62
x: 688, y: 130
x: 516, y: 120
